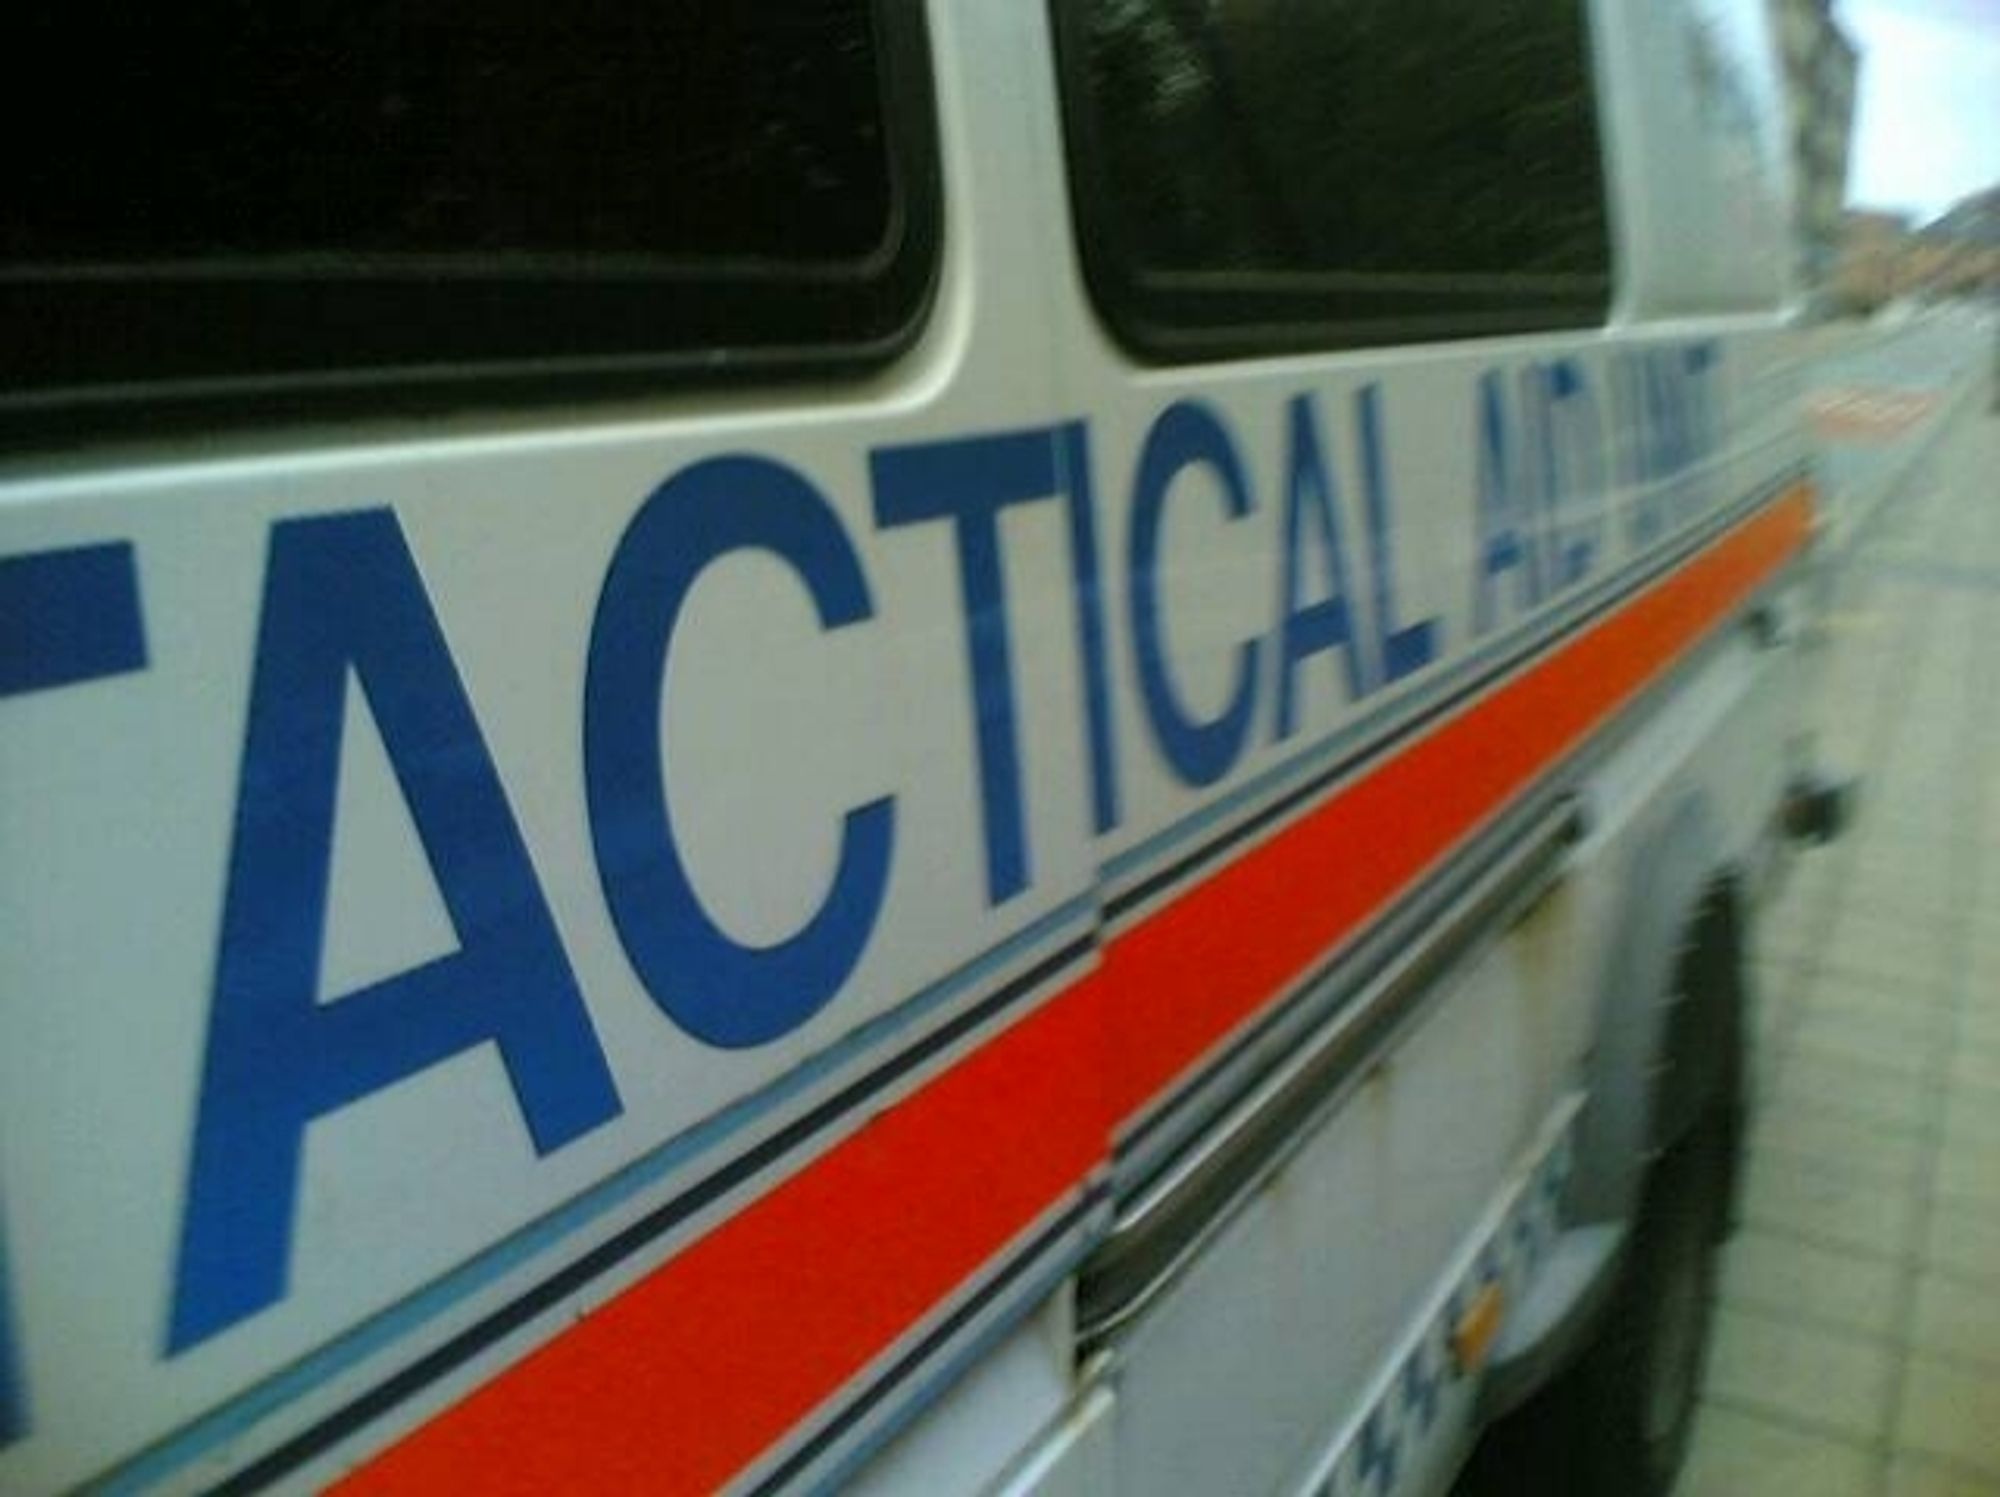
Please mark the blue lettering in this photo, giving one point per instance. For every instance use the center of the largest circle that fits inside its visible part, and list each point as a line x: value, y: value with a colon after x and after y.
x: 1667, y: 450
x: 1637, y: 448
x: 1574, y: 471
x: 342, y: 593
x: 1186, y: 434
x: 1410, y: 647
x: 13, y: 1395
x: 1699, y: 363
x: 1671, y: 434
x: 1628, y: 448
x: 1328, y: 624
x: 69, y: 616
x: 1073, y: 458
x: 721, y: 992
x: 1543, y: 482
x: 1506, y: 542
x: 1380, y: 1455
x: 969, y: 480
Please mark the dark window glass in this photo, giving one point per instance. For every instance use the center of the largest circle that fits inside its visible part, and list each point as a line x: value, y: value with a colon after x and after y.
x: 242, y: 191
x: 1270, y: 173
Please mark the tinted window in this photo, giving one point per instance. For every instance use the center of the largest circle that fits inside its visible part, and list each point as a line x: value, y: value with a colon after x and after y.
x: 362, y: 186
x: 1272, y: 172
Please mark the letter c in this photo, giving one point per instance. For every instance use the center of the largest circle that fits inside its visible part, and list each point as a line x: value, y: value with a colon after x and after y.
x: 1185, y: 435
x: 726, y: 994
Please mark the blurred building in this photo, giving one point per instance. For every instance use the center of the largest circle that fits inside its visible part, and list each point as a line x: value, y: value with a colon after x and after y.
x: 1958, y: 253
x: 1871, y: 269
x: 1820, y: 64
x: 1884, y: 257
x: 1973, y: 220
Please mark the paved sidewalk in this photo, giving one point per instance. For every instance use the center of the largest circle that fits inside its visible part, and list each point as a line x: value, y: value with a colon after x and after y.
x: 1858, y: 1335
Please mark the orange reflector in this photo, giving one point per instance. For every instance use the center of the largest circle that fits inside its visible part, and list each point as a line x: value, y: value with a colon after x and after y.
x: 1472, y: 1337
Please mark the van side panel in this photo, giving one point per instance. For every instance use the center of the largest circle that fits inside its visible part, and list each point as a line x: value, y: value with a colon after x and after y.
x: 657, y: 944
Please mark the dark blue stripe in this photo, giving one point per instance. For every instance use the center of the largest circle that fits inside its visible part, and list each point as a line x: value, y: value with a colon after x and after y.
x: 69, y: 616
x: 217, y: 1427
x: 13, y: 1398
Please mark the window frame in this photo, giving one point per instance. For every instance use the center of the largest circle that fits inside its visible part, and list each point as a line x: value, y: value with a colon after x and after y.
x: 1184, y: 317
x: 329, y: 336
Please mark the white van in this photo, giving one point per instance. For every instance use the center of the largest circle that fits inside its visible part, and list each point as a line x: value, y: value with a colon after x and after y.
x: 941, y: 747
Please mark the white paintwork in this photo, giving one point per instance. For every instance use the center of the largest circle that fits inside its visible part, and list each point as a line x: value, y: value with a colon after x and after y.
x: 117, y: 798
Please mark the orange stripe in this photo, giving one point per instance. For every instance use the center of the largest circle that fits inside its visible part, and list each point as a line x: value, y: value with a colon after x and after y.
x: 1183, y: 980
x: 701, y: 1367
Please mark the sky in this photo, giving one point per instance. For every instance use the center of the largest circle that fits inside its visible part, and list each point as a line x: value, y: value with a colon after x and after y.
x: 1927, y: 121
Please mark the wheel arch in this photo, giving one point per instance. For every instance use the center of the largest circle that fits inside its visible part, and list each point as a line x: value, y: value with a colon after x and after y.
x: 1669, y: 1024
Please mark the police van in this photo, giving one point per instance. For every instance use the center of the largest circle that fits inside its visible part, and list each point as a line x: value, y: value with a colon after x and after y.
x: 852, y: 743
